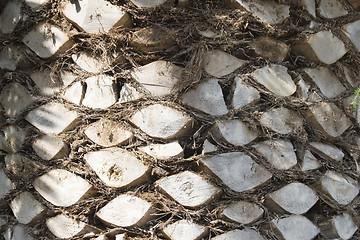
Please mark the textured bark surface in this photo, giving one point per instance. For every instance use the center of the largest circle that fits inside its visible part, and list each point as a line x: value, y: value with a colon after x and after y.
x: 230, y: 108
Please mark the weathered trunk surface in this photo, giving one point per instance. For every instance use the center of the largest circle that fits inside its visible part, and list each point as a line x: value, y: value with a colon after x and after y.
x: 179, y: 119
